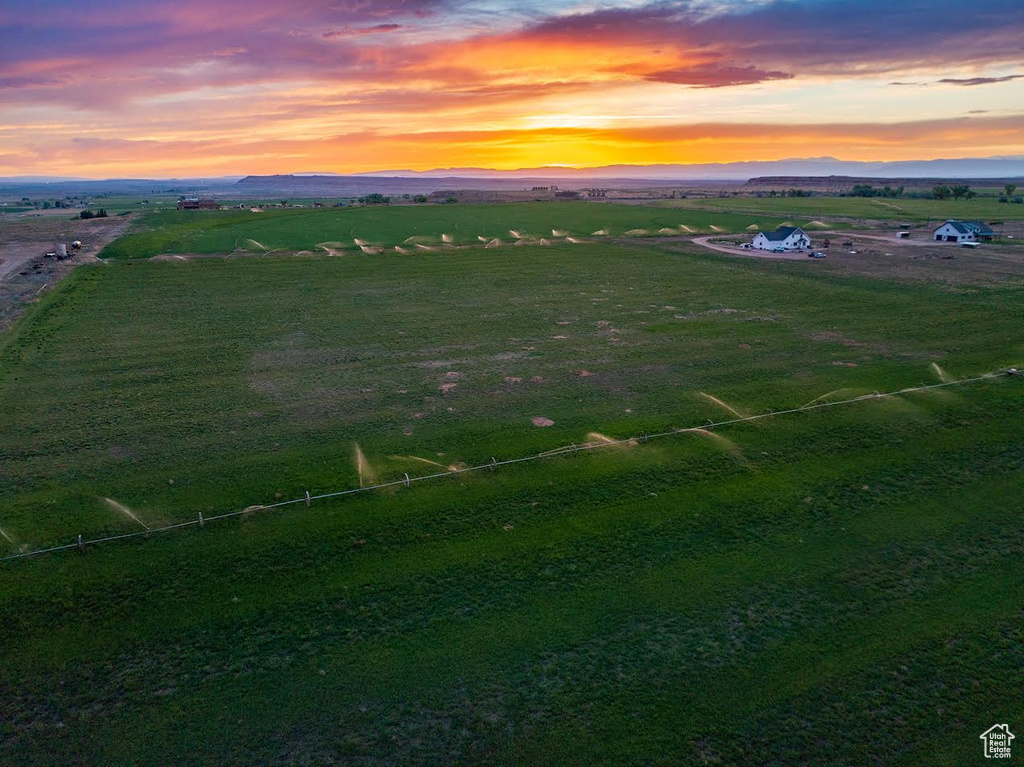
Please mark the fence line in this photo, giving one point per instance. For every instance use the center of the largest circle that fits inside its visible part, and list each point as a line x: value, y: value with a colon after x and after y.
x: 407, y: 481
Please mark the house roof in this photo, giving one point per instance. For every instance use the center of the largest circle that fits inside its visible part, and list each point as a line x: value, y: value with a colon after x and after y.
x: 782, y: 233
x: 967, y: 227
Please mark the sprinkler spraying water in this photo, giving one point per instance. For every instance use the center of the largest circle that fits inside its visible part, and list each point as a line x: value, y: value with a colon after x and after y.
x: 366, y: 474
x: 595, y: 438
x: 942, y: 374
x: 120, y: 507
x: 717, y: 401
x: 724, y: 442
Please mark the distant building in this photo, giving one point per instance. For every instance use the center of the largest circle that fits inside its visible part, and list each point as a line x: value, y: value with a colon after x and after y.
x: 963, y: 231
x: 197, y: 203
x: 544, y: 189
x: 571, y: 194
x: 785, y: 237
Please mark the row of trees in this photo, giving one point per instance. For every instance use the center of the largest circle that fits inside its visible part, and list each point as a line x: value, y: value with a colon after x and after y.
x: 87, y: 214
x: 938, y: 192
x: 785, y: 193
x: 866, y: 190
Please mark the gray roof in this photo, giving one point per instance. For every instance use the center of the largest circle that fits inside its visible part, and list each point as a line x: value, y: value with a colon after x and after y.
x: 967, y: 227
x: 782, y: 233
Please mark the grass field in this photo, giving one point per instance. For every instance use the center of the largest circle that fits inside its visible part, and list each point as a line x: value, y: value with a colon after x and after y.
x: 836, y: 586
x: 900, y: 209
x: 389, y: 226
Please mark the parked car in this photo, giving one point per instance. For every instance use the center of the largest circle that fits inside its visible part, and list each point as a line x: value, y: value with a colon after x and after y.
x: 778, y: 250
x: 815, y: 254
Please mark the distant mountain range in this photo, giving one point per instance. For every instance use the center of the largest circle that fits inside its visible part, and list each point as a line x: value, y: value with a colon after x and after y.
x: 987, y: 167
x: 411, y: 181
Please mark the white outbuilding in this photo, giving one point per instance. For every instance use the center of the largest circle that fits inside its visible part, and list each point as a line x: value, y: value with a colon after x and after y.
x: 785, y: 238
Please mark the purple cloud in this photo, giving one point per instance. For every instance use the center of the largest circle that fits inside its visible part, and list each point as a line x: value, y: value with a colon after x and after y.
x: 972, y: 81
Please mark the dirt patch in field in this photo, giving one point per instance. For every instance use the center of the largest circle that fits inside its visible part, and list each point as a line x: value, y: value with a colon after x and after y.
x: 25, y: 272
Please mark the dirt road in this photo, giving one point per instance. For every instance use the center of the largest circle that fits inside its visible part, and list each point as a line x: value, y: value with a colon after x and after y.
x: 735, y: 251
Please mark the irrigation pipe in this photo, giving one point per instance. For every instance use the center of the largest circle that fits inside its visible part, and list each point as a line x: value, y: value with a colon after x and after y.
x: 407, y: 481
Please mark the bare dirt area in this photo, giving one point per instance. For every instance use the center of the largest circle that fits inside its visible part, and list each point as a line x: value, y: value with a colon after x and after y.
x: 883, y: 255
x: 25, y: 272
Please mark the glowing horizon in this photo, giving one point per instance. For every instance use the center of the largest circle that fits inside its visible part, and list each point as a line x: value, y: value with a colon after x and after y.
x: 226, y: 87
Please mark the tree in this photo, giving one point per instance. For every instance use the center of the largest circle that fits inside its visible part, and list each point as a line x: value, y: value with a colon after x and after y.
x: 375, y: 199
x: 863, y: 190
x: 420, y: 198
x: 1010, y: 189
x: 450, y: 200
x: 941, y: 192
x: 959, y: 190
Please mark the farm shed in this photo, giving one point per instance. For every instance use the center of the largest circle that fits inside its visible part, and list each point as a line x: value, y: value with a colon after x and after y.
x: 785, y: 237
x: 197, y: 203
x: 963, y: 231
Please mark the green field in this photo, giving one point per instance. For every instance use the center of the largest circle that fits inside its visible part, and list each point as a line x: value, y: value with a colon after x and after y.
x: 388, y: 226
x: 866, y: 208
x: 838, y: 586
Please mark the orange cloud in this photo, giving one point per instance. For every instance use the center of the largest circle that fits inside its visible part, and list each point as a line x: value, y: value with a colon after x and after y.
x: 510, y: 149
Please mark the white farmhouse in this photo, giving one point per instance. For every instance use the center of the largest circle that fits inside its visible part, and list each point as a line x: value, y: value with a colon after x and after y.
x: 785, y: 237
x: 963, y: 231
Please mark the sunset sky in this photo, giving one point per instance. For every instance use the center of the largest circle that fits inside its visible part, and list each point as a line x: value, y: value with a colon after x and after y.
x: 216, y: 87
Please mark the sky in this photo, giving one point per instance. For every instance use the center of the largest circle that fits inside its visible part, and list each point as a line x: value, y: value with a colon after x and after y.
x: 119, y: 88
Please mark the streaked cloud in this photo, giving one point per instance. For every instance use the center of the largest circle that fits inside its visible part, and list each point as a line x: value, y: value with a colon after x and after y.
x: 972, y: 81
